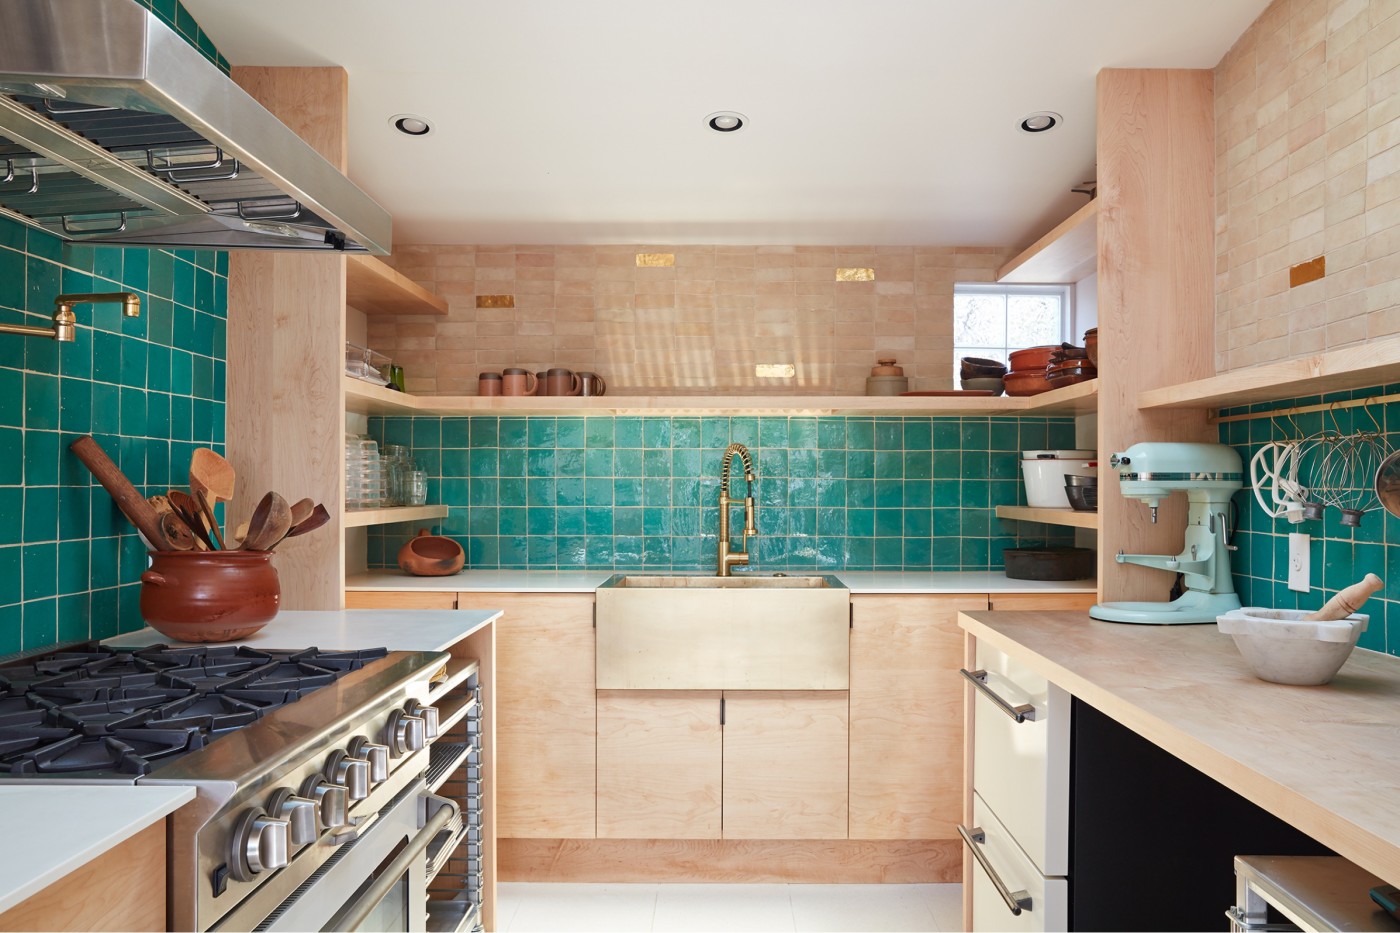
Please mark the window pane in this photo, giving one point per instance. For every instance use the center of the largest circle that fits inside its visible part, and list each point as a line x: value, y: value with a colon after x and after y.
x: 1032, y: 320
x: 979, y: 320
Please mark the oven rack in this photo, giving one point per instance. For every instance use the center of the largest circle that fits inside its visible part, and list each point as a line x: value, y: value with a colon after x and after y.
x: 443, y: 759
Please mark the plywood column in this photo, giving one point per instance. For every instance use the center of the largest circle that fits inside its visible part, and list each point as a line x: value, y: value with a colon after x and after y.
x: 286, y: 345
x: 1156, y: 268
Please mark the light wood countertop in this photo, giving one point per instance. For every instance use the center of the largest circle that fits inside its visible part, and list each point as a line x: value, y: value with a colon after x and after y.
x: 1325, y: 759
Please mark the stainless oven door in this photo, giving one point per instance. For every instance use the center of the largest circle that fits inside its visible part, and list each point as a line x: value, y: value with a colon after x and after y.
x: 379, y: 881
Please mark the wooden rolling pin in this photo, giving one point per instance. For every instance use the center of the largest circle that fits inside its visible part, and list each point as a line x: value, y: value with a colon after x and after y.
x: 1347, y: 601
x: 132, y: 504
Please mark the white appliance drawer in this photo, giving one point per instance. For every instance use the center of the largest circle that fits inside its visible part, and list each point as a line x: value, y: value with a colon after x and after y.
x: 1020, y: 769
x: 1027, y: 899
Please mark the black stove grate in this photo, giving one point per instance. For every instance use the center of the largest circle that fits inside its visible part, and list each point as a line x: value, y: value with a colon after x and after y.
x: 101, y: 711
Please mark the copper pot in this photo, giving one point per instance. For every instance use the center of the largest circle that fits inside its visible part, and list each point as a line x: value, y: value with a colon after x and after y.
x: 430, y: 555
x: 209, y: 595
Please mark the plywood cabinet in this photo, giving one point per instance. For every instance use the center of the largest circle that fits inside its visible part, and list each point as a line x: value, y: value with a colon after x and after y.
x: 906, y: 715
x: 1067, y: 602
x: 660, y: 755
x: 785, y: 771
x: 546, y: 728
x: 701, y: 764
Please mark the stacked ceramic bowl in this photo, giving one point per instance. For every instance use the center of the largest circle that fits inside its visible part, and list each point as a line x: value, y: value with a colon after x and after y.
x: 1027, y: 375
x: 1068, y: 366
x: 978, y: 374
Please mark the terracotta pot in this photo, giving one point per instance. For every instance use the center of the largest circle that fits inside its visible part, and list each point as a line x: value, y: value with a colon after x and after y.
x: 1091, y: 344
x: 209, y: 595
x: 1030, y: 382
x: 431, y: 555
x: 1031, y: 358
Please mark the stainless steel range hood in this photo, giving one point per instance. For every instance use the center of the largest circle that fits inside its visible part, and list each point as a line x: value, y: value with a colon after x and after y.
x: 114, y: 129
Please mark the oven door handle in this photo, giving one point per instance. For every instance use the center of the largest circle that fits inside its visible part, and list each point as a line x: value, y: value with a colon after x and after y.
x: 363, y: 907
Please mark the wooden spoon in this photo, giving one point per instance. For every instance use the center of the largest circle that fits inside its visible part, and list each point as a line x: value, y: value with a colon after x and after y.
x: 319, y: 516
x: 212, y: 480
x: 192, y: 515
x: 132, y: 504
x: 269, y: 524
x: 301, y: 511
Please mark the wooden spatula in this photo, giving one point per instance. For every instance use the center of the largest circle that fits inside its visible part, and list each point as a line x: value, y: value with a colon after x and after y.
x: 212, y: 481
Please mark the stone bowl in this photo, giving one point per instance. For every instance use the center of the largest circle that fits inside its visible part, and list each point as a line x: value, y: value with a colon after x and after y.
x: 1282, y: 648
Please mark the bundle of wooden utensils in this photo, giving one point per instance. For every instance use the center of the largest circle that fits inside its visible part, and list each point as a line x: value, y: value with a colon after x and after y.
x: 185, y: 521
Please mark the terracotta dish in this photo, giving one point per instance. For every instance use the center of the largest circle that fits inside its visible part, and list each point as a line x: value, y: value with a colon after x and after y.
x: 431, y: 555
x: 1030, y: 382
x: 1091, y: 344
x: 1032, y: 358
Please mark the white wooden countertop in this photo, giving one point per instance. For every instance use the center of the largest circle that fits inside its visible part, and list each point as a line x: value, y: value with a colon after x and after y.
x: 52, y: 830
x: 395, y: 629
x: 586, y: 581
x: 1324, y: 759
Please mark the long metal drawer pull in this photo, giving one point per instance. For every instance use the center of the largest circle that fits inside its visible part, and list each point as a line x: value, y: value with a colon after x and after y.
x: 392, y: 875
x: 1016, y: 901
x: 978, y: 679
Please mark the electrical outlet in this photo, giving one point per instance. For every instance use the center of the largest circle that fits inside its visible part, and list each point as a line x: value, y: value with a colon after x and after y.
x: 1298, y: 563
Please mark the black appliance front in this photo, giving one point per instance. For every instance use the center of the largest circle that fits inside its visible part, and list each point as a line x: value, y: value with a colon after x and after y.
x: 1152, y: 840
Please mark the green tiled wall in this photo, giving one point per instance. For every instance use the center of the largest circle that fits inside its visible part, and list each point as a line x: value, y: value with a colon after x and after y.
x: 832, y: 493
x: 150, y: 389
x: 1339, y: 556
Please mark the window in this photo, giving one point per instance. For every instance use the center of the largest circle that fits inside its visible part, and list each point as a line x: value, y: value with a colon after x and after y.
x: 990, y: 321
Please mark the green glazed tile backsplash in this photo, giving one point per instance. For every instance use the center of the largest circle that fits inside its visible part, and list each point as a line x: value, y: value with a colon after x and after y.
x: 641, y: 492
x: 1338, y: 555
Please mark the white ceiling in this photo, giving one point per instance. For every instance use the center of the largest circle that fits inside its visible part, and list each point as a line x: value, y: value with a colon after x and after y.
x: 582, y: 121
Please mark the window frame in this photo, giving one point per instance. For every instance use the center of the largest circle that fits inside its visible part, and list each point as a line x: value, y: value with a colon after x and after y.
x: 1066, y: 293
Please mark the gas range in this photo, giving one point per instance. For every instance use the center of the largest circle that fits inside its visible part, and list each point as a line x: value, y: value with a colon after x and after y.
x: 304, y: 762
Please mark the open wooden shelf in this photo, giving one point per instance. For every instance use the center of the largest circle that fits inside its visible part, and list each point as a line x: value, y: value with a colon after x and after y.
x: 1024, y: 513
x: 359, y: 518
x: 1374, y: 363
x: 1063, y: 256
x: 375, y: 288
x: 368, y: 399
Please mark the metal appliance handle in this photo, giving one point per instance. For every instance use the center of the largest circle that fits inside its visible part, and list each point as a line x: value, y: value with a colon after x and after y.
x: 401, y: 863
x: 978, y: 679
x: 1016, y: 901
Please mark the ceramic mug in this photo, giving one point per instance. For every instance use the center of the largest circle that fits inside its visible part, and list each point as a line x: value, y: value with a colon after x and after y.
x: 592, y: 384
x: 488, y: 384
x: 562, y: 382
x: 519, y: 382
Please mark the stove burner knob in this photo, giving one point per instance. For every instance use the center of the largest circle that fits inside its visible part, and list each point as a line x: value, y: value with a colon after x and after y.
x: 404, y: 734
x: 376, y: 755
x: 299, y: 812
x: 350, y: 773
x: 428, y: 714
x: 331, y: 801
x: 259, y: 844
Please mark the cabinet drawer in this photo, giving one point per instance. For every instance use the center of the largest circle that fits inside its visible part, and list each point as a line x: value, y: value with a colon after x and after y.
x: 1021, y: 769
x: 1044, y: 902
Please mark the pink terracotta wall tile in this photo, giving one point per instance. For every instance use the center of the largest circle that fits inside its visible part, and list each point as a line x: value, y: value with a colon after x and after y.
x: 1307, y: 120
x: 696, y: 327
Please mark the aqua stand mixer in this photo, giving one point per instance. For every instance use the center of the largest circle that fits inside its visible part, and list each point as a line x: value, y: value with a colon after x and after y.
x: 1208, y: 474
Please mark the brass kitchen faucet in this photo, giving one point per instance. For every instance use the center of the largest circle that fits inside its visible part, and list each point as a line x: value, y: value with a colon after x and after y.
x: 727, y: 557
x: 65, y: 324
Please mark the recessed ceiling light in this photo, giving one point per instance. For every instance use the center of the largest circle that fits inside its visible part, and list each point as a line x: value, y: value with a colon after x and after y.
x: 1040, y: 121
x: 726, y: 121
x: 410, y: 124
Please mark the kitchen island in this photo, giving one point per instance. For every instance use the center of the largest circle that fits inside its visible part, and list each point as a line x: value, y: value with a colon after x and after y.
x: 1324, y: 760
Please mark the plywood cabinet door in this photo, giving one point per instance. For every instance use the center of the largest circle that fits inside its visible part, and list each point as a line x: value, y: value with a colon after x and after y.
x: 546, y: 728
x: 785, y: 764
x: 659, y: 764
x: 398, y: 599
x: 906, y: 715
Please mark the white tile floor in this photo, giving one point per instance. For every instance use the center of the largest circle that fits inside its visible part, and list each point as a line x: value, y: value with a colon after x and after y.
x: 799, y: 908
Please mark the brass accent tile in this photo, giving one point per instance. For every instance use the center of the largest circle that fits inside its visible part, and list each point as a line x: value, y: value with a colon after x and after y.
x: 855, y: 274
x: 774, y: 370
x: 495, y: 301
x: 1305, y: 272
x: 653, y: 260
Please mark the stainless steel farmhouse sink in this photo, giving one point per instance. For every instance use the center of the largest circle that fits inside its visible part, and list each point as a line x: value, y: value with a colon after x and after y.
x: 707, y: 632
